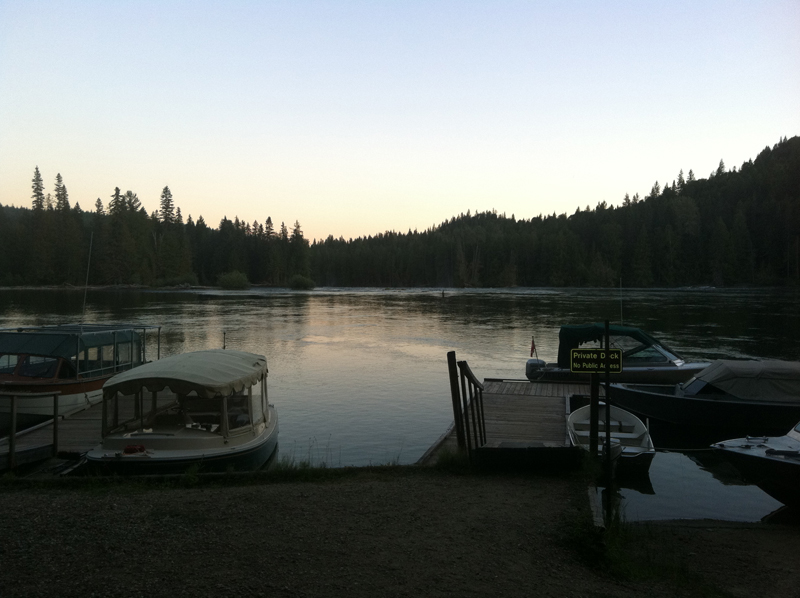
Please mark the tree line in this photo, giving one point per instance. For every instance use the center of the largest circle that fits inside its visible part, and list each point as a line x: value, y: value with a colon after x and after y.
x: 735, y: 227
x: 53, y: 243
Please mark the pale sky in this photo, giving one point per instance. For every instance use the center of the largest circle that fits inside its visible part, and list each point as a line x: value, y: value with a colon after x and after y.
x: 360, y: 117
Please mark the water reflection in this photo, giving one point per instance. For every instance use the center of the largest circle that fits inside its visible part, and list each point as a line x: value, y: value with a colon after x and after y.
x: 359, y: 376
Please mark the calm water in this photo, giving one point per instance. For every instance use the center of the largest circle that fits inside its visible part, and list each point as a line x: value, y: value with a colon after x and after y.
x: 359, y: 376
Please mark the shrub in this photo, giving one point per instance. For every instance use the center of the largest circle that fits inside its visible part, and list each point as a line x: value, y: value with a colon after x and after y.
x: 233, y: 280
x: 301, y: 283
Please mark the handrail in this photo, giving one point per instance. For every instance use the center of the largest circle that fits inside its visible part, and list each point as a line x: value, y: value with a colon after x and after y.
x: 12, y: 436
x: 468, y: 414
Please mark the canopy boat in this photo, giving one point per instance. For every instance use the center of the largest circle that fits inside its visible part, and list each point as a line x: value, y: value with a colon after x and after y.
x: 773, y: 464
x: 728, y: 397
x: 73, y: 360
x: 207, y: 409
x: 644, y: 359
x: 637, y: 450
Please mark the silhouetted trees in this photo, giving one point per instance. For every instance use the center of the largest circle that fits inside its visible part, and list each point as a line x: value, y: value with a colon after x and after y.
x: 737, y: 227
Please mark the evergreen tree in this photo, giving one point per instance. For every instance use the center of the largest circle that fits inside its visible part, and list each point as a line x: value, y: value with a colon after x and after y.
x: 132, y: 202
x: 167, y: 212
x: 117, y: 203
x: 62, y: 197
x: 98, y: 207
x: 38, y: 191
x: 269, y: 230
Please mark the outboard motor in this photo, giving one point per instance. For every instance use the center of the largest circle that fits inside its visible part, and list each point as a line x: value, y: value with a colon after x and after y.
x: 534, y: 368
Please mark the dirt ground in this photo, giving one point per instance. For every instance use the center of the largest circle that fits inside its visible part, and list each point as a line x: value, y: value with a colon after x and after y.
x: 373, y: 533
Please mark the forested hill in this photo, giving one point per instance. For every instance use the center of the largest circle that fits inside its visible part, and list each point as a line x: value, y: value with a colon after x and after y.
x: 737, y: 227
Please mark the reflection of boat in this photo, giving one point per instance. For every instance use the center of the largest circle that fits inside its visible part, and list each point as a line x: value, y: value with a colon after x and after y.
x: 728, y: 397
x: 773, y: 464
x: 637, y: 449
x: 644, y: 359
x: 207, y: 409
x: 74, y: 360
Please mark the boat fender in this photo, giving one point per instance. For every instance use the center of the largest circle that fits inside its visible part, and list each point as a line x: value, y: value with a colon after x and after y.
x: 533, y: 368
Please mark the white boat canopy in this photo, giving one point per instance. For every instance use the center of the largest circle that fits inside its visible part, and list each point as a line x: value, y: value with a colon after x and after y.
x: 768, y: 380
x: 214, y: 373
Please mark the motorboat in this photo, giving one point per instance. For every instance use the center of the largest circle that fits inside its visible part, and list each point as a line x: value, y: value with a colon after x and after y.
x: 644, y: 359
x: 70, y: 360
x: 206, y: 409
x: 772, y: 463
x: 727, y: 398
x: 636, y: 447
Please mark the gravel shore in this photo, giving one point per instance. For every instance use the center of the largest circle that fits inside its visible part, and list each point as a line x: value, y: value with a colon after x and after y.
x: 372, y: 533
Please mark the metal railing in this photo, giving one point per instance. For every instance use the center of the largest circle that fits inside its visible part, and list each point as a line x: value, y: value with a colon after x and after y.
x: 12, y: 434
x: 467, y: 395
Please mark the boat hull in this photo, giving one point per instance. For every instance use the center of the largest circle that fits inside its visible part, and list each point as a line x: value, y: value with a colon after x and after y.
x: 73, y: 395
x: 246, y: 457
x: 776, y: 474
x: 629, y: 375
x: 637, y: 450
x: 725, y: 418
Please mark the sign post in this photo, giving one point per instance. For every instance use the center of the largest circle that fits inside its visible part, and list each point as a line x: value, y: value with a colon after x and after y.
x: 596, y: 361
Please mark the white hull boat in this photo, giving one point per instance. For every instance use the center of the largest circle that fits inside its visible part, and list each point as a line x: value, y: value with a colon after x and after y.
x: 206, y: 409
x: 637, y: 450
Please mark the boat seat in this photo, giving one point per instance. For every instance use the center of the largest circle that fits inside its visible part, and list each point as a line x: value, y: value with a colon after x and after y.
x: 618, y: 435
x: 615, y: 425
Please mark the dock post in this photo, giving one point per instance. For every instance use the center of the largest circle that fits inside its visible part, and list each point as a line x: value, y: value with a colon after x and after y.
x: 55, y: 424
x: 608, y: 408
x: 594, y: 413
x: 452, y: 369
x: 12, y: 437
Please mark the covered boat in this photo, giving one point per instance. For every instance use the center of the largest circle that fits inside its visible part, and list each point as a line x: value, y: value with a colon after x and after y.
x: 644, y: 359
x: 207, y: 409
x: 637, y: 450
x: 72, y: 360
x: 728, y: 397
x: 773, y: 464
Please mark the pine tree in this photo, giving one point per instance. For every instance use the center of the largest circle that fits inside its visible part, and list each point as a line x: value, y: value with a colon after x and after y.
x: 117, y: 204
x: 167, y: 212
x: 269, y: 230
x: 98, y: 207
x: 38, y: 191
x: 132, y: 202
x: 62, y: 197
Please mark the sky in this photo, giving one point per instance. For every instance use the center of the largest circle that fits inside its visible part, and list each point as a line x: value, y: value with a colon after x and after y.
x: 360, y: 117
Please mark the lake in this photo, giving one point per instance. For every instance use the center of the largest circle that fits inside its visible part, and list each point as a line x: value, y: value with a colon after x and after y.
x: 359, y: 376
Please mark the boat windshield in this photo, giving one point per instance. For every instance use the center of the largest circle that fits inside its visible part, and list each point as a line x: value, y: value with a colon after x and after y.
x: 8, y: 363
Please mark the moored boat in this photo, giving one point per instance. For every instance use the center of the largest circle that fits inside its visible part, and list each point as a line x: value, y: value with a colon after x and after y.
x: 207, y: 409
x: 728, y: 398
x: 773, y: 464
x: 644, y: 359
x: 71, y: 360
x: 636, y: 446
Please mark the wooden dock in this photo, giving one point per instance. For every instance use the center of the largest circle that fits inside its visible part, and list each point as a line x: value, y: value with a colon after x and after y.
x: 78, y: 432
x: 520, y: 417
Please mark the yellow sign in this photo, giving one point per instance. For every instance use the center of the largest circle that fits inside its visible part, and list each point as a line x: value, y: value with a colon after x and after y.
x: 593, y: 361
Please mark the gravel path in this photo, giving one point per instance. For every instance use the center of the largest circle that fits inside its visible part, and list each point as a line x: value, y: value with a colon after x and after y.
x: 370, y: 534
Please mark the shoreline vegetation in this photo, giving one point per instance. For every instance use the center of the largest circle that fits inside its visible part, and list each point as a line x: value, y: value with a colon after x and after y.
x: 386, y: 530
x: 737, y: 227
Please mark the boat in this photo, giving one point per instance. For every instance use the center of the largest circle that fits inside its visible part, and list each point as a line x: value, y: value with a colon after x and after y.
x: 204, y: 409
x: 644, y: 359
x: 70, y: 360
x: 728, y: 398
x: 771, y: 463
x: 636, y: 446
